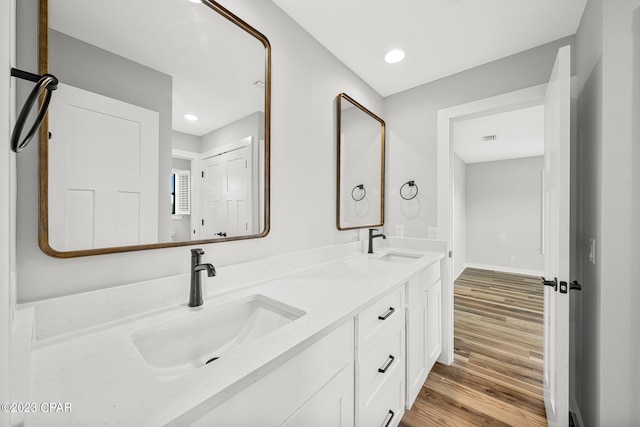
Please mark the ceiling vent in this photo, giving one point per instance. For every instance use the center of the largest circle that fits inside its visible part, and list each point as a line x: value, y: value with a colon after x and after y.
x: 488, y: 138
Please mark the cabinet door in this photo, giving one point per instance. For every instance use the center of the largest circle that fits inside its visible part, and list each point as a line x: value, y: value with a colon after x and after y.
x: 434, y: 328
x: 332, y: 406
x: 416, y: 347
x: 298, y: 385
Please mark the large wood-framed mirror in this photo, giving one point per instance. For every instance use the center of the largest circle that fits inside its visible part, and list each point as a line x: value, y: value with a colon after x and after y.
x: 159, y: 132
x: 360, y: 182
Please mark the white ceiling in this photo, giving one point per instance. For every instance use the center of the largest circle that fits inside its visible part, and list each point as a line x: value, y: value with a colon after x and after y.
x: 441, y: 37
x: 185, y: 40
x: 519, y: 133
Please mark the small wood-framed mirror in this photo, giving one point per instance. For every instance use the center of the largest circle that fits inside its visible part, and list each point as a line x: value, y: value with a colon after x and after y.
x: 159, y: 132
x: 360, y: 181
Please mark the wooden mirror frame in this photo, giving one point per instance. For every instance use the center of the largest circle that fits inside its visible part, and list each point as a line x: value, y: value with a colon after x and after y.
x: 339, y: 99
x: 43, y: 223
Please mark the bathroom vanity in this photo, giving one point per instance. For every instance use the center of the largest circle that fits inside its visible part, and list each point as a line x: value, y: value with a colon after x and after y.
x: 332, y: 337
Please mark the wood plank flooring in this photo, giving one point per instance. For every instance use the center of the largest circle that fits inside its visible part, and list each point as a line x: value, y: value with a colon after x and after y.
x: 496, y: 377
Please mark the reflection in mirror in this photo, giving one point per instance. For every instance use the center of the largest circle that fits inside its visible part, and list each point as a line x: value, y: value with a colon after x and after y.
x: 360, y: 135
x: 158, y: 134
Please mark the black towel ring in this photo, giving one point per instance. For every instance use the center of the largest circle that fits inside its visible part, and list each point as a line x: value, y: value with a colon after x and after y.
x: 363, y: 192
x: 46, y: 82
x: 410, y: 184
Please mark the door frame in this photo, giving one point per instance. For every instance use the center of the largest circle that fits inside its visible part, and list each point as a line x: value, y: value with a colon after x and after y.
x: 522, y: 98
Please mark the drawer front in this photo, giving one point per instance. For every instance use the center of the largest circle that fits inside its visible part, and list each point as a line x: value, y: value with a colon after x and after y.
x: 387, y: 407
x: 384, y: 359
x: 376, y: 320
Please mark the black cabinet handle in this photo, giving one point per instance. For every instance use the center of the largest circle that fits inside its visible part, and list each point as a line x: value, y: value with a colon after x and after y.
x: 387, y: 364
x: 390, y: 418
x: 387, y: 314
x: 575, y: 285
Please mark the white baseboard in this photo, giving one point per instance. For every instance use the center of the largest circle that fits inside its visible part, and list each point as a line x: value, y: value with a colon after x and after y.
x: 505, y: 269
x: 459, y: 272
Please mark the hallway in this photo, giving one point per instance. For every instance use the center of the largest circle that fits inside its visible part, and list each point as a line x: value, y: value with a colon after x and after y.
x: 496, y: 377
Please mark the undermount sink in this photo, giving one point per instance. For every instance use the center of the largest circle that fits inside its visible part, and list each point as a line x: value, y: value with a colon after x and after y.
x: 178, y: 347
x: 399, y: 257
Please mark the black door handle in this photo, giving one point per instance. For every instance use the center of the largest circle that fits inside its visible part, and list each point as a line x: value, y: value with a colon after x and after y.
x: 553, y: 283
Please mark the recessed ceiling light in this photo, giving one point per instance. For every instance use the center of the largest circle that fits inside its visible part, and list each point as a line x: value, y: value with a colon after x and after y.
x: 191, y: 117
x: 395, y: 55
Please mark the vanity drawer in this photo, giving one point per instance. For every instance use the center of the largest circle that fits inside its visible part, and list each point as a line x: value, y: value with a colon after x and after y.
x: 376, y: 320
x: 385, y: 358
x: 387, y: 407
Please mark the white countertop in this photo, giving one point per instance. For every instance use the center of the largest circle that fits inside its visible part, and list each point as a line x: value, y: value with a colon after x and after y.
x: 106, y: 381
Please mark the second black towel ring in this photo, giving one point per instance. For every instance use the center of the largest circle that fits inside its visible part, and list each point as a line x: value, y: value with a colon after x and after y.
x: 411, y: 184
x: 46, y: 83
x: 363, y: 192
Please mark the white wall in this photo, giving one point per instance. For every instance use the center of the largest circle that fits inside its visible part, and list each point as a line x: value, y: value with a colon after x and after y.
x: 503, y: 214
x: 7, y: 206
x: 608, y: 345
x: 411, y: 119
x: 306, y: 80
x: 459, y: 215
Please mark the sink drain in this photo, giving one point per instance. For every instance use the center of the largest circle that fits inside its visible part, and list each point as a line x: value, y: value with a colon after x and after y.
x: 211, y: 360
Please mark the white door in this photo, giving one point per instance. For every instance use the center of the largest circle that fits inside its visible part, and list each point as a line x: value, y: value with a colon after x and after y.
x: 227, y: 194
x: 557, y: 239
x: 103, y: 172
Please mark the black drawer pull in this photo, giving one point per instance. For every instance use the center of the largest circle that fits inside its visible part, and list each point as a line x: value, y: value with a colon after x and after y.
x: 387, y: 314
x: 389, y: 362
x: 390, y: 418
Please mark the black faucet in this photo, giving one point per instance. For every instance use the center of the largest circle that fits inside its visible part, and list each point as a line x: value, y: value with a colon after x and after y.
x: 373, y: 236
x: 195, y: 293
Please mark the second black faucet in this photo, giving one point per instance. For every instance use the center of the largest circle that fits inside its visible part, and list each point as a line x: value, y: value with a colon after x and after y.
x: 373, y: 236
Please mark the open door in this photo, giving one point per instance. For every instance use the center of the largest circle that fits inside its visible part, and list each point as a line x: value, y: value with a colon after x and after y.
x: 556, y: 213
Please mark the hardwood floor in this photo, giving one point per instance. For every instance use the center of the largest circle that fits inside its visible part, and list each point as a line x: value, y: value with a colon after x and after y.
x: 496, y: 377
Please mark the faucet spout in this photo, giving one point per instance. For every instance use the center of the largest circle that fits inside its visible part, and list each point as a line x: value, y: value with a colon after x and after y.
x: 195, y: 291
x: 373, y: 236
x: 211, y: 270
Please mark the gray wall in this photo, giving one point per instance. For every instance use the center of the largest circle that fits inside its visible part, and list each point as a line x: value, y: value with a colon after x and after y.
x: 607, y: 377
x: 88, y: 67
x: 306, y: 78
x: 411, y: 119
x: 250, y: 125
x: 503, y: 203
x: 185, y: 142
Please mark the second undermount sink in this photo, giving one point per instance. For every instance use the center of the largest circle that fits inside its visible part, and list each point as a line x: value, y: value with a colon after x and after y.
x: 399, y: 257
x: 178, y: 347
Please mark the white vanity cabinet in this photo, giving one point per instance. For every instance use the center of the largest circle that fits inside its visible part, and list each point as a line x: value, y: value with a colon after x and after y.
x: 314, y: 388
x: 380, y: 362
x: 422, y: 328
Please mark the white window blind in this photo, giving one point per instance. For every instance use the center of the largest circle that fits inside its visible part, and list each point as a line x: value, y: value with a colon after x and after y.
x: 183, y: 192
